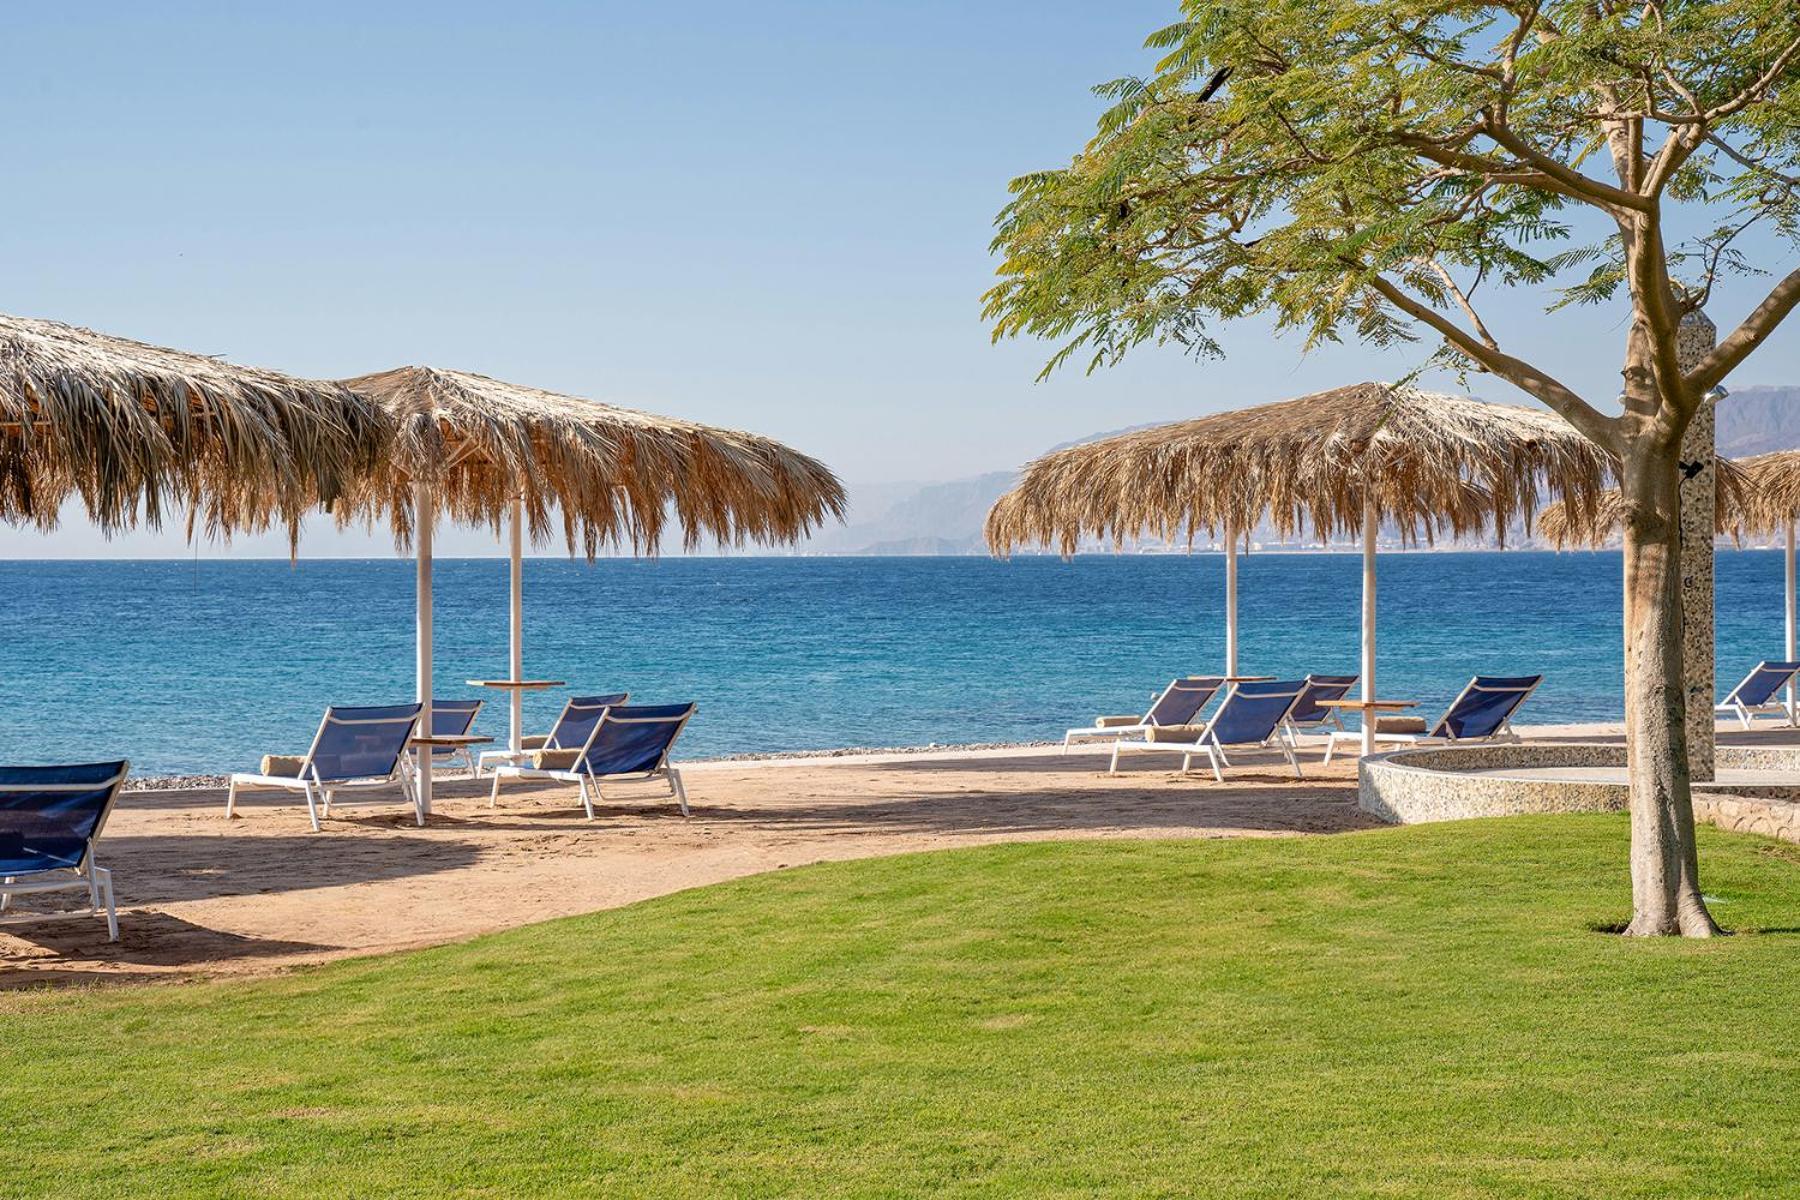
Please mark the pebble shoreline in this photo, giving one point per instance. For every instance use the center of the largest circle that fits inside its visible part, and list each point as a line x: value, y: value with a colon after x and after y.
x: 181, y: 783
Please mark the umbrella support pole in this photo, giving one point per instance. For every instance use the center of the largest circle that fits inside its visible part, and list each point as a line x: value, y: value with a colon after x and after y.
x: 1788, y: 545
x: 516, y: 645
x: 425, y: 516
x: 1231, y: 597
x: 1371, y: 527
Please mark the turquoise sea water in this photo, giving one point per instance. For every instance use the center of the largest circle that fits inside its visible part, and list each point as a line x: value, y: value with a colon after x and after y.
x: 185, y: 667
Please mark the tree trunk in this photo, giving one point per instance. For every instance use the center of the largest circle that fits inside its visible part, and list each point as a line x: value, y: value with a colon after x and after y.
x: 1665, y: 871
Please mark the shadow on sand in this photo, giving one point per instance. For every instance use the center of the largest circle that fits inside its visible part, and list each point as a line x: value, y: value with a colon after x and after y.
x: 145, y: 937
x: 1051, y: 793
x: 169, y: 868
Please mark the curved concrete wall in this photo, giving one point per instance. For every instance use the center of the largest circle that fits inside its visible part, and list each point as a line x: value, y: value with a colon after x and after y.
x: 1434, y: 784
x: 1443, y: 784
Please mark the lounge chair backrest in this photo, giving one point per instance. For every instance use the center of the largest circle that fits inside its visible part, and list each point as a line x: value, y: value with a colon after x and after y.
x: 1253, y: 711
x: 579, y: 717
x: 634, y: 738
x: 451, y: 718
x: 1485, y: 706
x: 1762, y: 683
x: 1183, y: 699
x: 360, y: 743
x: 1308, y: 710
x: 50, y: 816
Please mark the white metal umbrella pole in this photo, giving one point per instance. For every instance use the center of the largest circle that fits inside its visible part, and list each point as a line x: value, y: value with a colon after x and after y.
x: 515, y: 736
x: 1371, y: 526
x: 1793, y: 701
x: 425, y: 516
x: 1231, y: 593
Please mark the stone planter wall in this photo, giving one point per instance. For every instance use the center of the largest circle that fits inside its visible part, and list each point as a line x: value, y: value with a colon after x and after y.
x: 1749, y: 814
x: 1434, y: 784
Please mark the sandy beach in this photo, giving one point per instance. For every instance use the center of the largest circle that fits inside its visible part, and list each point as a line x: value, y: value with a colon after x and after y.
x: 201, y: 895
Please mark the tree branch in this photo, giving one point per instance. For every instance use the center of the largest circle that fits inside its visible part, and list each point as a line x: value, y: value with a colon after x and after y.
x: 1737, y: 346
x: 1463, y: 302
x: 1754, y: 92
x: 1680, y: 144
x: 1748, y: 163
x: 1573, y: 182
x: 1493, y: 169
x: 1647, y: 274
x: 1598, y: 427
x: 1715, y: 249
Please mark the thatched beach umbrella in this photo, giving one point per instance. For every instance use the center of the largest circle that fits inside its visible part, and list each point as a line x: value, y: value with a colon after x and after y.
x: 485, y: 452
x: 132, y: 428
x: 1338, y: 462
x: 1772, y: 484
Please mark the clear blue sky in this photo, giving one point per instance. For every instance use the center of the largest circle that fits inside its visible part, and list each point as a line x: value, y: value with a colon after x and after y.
x: 769, y: 215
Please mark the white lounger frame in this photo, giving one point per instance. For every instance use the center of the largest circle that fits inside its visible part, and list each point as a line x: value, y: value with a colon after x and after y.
x: 1329, y: 720
x: 518, y: 757
x: 1776, y: 703
x: 580, y: 776
x: 1116, y: 732
x: 320, y: 793
x: 86, y: 874
x: 1503, y: 734
x: 1208, y: 744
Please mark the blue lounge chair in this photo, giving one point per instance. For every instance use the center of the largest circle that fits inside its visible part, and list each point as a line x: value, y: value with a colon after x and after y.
x: 354, y: 748
x: 1757, y: 693
x: 1310, y: 714
x: 50, y: 818
x: 453, y: 718
x: 1179, y: 704
x: 570, y: 732
x: 1482, y: 712
x: 626, y: 742
x: 1252, y: 713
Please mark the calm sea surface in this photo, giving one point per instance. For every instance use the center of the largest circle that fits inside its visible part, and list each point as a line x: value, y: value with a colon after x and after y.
x: 205, y: 668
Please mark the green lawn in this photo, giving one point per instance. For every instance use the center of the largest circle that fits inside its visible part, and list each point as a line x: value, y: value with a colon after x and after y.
x: 1426, y: 1011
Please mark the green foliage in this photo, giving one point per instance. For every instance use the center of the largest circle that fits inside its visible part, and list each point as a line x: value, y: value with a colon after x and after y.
x: 1309, y: 159
x: 1425, y: 1011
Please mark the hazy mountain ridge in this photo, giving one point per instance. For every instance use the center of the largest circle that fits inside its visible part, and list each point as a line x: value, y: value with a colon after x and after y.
x: 1757, y: 420
x: 934, y: 518
x: 937, y: 518
x: 946, y: 518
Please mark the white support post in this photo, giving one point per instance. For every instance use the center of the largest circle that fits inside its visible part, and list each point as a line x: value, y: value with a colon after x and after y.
x: 1792, y: 630
x: 516, y: 661
x: 1231, y: 597
x: 1371, y: 527
x: 425, y: 516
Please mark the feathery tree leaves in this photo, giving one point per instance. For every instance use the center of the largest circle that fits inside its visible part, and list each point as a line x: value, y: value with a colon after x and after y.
x: 1357, y: 168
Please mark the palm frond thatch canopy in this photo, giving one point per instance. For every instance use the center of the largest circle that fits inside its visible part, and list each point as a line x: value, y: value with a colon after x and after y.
x: 1772, y: 487
x: 615, y: 474
x: 131, y: 427
x: 1430, y: 462
x: 1736, y: 512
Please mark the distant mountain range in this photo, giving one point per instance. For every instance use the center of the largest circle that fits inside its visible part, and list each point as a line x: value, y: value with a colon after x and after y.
x: 1757, y: 420
x: 946, y: 518
x: 928, y: 518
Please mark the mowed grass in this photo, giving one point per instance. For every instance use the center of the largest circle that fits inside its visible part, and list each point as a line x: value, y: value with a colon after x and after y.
x: 1426, y: 1011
